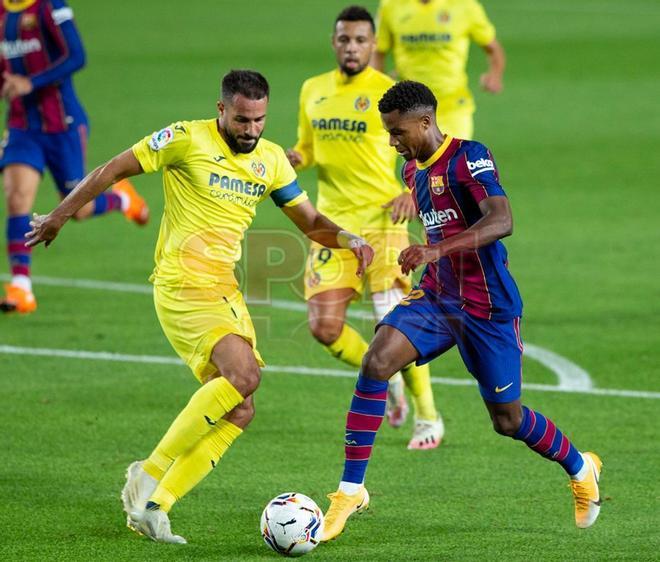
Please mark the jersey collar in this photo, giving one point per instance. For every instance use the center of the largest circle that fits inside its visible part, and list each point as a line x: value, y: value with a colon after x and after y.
x: 436, y: 155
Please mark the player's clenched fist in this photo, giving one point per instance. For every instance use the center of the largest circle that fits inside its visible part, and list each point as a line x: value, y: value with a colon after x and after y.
x: 44, y: 229
x: 414, y: 256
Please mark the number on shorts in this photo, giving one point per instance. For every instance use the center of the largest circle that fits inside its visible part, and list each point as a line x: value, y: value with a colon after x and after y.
x: 413, y: 295
x: 324, y: 255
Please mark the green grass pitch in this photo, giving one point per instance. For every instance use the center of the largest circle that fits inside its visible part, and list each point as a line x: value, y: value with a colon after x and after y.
x: 576, y: 134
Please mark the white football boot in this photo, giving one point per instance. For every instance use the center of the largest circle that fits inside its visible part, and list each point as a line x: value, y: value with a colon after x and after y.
x: 427, y: 434
x: 138, y: 489
x: 155, y: 524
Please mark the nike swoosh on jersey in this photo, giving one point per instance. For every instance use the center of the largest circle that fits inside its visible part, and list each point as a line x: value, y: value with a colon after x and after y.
x: 498, y: 389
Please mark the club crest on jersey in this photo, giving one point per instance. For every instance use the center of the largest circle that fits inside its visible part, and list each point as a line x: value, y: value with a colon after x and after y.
x: 444, y: 17
x: 161, y: 138
x: 437, y: 185
x: 258, y: 168
x: 362, y: 103
x: 28, y: 21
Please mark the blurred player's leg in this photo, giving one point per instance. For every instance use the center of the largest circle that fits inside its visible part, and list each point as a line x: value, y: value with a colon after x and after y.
x: 65, y: 155
x: 397, y: 405
x: 429, y: 428
x: 326, y: 313
x: 20, y: 182
x: 389, y: 351
x: 133, y: 206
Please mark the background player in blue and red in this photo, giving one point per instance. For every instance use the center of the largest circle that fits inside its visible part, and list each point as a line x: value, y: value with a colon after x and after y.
x: 40, y: 49
x: 466, y: 297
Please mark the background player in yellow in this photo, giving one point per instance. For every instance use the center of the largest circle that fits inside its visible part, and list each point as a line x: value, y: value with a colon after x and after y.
x: 430, y: 41
x: 340, y: 132
x: 215, y: 172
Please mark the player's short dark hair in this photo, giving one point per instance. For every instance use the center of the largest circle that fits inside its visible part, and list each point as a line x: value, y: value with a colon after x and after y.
x: 356, y: 13
x: 248, y: 83
x: 407, y: 96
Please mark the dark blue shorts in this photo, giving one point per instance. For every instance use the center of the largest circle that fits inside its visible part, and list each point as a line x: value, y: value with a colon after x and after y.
x: 62, y: 153
x: 491, y: 350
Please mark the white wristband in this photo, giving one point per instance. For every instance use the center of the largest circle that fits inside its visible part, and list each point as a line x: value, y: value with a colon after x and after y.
x: 349, y: 241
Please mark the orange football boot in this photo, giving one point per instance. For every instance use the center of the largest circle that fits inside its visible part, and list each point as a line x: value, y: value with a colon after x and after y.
x: 135, y: 208
x: 18, y: 300
x: 586, y: 492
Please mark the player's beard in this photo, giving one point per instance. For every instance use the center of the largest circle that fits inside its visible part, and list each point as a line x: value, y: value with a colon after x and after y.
x: 353, y: 71
x: 233, y: 143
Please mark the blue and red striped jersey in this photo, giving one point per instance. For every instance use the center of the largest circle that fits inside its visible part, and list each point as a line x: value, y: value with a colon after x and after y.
x: 447, y: 190
x: 41, y: 41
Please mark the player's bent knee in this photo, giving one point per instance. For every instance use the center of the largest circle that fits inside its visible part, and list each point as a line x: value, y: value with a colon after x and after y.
x: 325, y: 330
x: 246, y: 381
x: 376, y: 365
x: 506, y: 424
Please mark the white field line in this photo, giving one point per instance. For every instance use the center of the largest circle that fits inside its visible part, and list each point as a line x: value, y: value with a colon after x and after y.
x: 292, y: 369
x: 569, y: 375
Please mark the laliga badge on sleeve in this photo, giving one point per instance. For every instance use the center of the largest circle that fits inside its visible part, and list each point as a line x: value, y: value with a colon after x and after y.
x: 161, y: 138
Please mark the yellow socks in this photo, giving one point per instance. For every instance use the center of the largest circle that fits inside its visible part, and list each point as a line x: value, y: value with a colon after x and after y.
x: 212, y: 401
x: 350, y: 346
x: 418, y: 381
x: 192, y: 466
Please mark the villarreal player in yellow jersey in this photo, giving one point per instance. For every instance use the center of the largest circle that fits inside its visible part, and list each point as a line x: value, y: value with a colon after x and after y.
x: 429, y: 41
x: 215, y: 173
x: 340, y: 133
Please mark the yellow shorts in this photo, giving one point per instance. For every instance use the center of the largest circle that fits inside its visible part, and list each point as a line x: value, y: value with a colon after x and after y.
x: 458, y: 123
x: 195, y: 319
x: 328, y: 268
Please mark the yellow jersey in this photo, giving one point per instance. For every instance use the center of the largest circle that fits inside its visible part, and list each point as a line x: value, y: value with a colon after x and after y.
x: 430, y: 43
x: 340, y: 132
x: 211, y: 194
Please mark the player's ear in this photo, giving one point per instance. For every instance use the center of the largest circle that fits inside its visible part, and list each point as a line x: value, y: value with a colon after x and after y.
x: 221, y: 107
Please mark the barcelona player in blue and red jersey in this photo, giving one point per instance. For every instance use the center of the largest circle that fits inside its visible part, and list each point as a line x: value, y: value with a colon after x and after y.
x: 40, y: 49
x: 466, y: 297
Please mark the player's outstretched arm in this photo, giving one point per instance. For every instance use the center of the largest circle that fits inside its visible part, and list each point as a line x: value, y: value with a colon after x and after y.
x: 496, y: 223
x: 46, y: 227
x: 321, y: 229
x: 493, y: 80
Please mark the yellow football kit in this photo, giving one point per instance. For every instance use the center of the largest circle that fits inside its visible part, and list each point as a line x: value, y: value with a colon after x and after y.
x: 211, y: 196
x: 430, y: 44
x: 340, y: 132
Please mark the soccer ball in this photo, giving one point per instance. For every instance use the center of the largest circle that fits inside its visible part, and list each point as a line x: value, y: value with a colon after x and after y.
x: 292, y: 524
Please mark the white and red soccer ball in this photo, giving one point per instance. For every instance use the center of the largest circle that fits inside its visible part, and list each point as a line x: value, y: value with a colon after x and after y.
x: 292, y: 524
